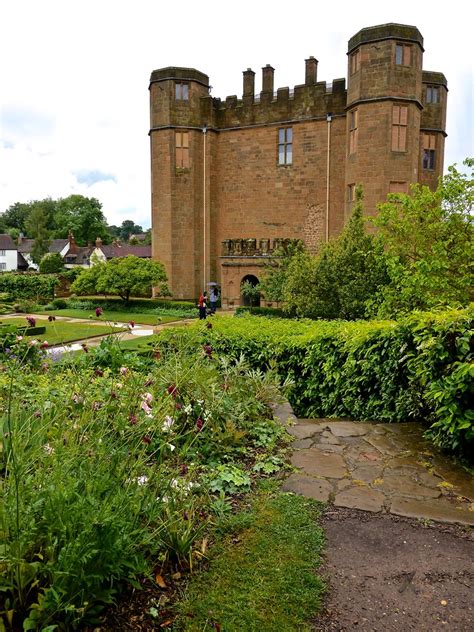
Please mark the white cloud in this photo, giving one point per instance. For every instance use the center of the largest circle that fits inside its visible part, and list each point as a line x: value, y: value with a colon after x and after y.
x: 74, y: 78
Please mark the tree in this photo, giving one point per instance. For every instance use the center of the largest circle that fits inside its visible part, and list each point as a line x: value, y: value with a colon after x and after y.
x: 129, y: 228
x: 16, y: 217
x: 428, y: 238
x: 124, y: 276
x: 36, y: 226
x: 51, y: 263
x: 342, y: 280
x: 273, y: 282
x: 83, y: 216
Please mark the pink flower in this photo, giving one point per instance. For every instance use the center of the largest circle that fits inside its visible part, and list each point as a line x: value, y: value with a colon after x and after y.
x: 51, y: 318
x: 146, y: 409
x: 178, y: 406
x: 131, y: 323
x: 147, y: 397
x: 133, y: 419
x: 99, y: 372
x: 85, y: 348
x: 37, y: 414
x: 44, y: 345
x: 209, y: 325
x: 96, y: 406
x: 208, y: 350
x: 31, y: 321
x: 123, y: 370
x: 146, y: 439
x: 157, y: 354
x: 98, y: 311
x: 199, y: 424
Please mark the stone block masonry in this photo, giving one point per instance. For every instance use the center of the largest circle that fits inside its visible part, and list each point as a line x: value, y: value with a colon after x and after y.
x: 284, y: 164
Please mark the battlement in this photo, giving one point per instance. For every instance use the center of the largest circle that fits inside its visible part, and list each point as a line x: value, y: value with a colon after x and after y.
x: 311, y: 100
x: 434, y: 78
x: 174, y: 73
x: 401, y: 32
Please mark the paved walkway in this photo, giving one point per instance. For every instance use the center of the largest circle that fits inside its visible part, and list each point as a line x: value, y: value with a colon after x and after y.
x: 377, y: 467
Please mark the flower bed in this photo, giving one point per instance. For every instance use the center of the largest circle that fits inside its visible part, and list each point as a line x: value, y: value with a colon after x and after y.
x: 112, y: 466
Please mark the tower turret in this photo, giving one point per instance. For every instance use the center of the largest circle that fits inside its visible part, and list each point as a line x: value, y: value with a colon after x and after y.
x: 180, y: 111
x: 383, y: 111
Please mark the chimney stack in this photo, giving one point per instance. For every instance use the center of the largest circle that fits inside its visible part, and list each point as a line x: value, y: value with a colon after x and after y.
x: 267, y: 79
x: 249, y: 85
x: 311, y: 71
x: 98, y: 242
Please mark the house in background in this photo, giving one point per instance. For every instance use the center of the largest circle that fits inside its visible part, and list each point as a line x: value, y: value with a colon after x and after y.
x: 102, y: 253
x: 10, y: 258
x: 72, y: 254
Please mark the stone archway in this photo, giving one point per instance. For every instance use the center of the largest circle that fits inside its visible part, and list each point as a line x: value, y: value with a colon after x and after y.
x: 250, y: 301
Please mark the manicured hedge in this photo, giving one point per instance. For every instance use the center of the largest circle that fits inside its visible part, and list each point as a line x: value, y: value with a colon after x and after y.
x: 271, y: 312
x: 419, y: 368
x: 18, y: 286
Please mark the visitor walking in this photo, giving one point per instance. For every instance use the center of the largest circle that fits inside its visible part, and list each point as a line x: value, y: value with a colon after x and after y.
x: 202, y: 304
x: 214, y: 297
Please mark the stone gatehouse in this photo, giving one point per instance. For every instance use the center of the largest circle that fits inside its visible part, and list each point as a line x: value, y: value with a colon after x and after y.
x: 234, y: 178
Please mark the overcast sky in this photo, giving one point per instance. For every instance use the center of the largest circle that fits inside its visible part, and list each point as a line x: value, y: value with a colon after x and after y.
x: 74, y: 78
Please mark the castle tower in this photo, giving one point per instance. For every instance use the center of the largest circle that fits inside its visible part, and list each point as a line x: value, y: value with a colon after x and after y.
x: 384, y: 106
x: 180, y: 113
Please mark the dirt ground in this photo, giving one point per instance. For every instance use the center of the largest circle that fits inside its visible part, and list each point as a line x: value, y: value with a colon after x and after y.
x: 388, y: 573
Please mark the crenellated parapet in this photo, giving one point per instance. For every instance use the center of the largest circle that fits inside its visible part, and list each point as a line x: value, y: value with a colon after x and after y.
x: 308, y: 101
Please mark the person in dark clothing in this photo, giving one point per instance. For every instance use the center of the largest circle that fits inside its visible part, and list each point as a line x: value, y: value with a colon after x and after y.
x: 202, y: 304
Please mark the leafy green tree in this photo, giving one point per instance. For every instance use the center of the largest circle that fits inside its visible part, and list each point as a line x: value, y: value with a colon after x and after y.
x: 51, y: 263
x: 272, y: 284
x: 83, y: 216
x: 428, y: 238
x: 36, y: 227
x: 342, y: 279
x: 128, y: 228
x: 250, y: 292
x: 124, y: 276
x: 17, y: 215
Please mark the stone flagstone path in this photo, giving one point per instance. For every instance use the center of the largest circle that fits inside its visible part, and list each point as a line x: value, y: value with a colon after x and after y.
x: 377, y: 467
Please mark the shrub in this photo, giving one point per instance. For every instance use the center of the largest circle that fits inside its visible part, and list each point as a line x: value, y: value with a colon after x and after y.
x: 418, y: 368
x: 28, y: 286
x: 51, y: 263
x: 60, y: 303
x: 270, y: 312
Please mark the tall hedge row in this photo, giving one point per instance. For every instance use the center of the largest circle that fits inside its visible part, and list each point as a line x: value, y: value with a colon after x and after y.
x: 419, y: 368
x: 28, y: 286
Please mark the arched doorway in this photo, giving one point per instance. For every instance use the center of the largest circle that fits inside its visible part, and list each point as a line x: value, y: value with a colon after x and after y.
x: 249, y: 295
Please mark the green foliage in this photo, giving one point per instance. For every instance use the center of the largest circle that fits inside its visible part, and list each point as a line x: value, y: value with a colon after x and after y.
x: 83, y: 216
x: 229, y: 479
x: 124, y: 276
x: 28, y: 286
x: 36, y: 226
x: 51, y: 263
x: 269, y: 312
x: 273, y: 283
x: 341, y: 279
x: 418, y: 368
x: 105, y: 470
x: 428, y: 238
x: 263, y: 577
x: 250, y: 292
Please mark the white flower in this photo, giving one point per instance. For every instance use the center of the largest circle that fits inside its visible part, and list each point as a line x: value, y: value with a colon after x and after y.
x: 167, y: 424
x: 19, y: 338
x: 171, y: 447
x: 188, y: 409
x: 174, y: 483
x: 142, y: 480
x: 48, y: 449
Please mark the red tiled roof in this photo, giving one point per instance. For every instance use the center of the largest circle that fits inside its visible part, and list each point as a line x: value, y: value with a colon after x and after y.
x: 113, y: 251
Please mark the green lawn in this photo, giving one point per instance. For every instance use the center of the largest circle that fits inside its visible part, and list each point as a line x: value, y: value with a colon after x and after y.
x: 59, y: 331
x: 263, y: 578
x: 115, y: 317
